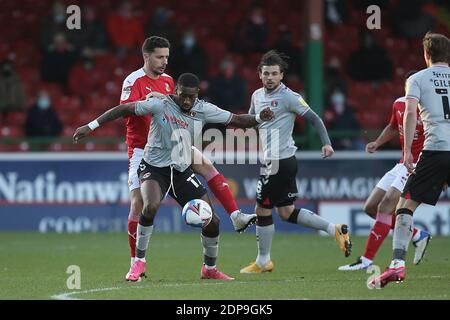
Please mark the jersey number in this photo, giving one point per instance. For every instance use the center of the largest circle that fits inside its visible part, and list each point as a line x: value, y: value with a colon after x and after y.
x: 192, y: 180
x: 445, y: 103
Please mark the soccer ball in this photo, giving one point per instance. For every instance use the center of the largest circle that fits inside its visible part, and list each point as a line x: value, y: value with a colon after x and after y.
x: 197, y: 213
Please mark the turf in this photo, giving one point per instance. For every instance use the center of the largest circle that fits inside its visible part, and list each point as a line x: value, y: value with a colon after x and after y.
x: 33, y: 266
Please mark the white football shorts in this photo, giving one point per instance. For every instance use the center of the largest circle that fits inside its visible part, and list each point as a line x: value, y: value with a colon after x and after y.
x: 396, y: 178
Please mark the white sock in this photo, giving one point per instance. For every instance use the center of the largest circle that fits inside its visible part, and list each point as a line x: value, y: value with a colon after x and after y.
x: 143, y: 235
x: 132, y: 261
x: 331, y: 229
x: 264, y: 237
x: 397, y: 263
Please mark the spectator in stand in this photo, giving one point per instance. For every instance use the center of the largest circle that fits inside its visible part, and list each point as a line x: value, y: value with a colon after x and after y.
x: 85, y: 78
x: 335, y: 12
x: 333, y: 76
x: 161, y: 25
x: 411, y: 21
x: 53, y: 24
x: 228, y: 89
x: 253, y: 31
x: 42, y: 121
x: 58, y: 60
x: 12, y: 95
x: 284, y: 44
x: 370, y: 62
x: 189, y: 56
x: 340, y: 116
x: 92, y: 38
x: 125, y: 29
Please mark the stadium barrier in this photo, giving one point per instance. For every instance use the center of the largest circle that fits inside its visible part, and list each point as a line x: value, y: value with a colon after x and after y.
x: 88, y: 192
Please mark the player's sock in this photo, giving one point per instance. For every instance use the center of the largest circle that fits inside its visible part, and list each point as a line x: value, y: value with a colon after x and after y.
x: 143, y: 234
x: 416, y: 232
x: 264, y: 234
x: 402, y: 233
x: 378, y: 233
x: 309, y: 219
x: 219, y: 186
x: 210, y: 251
x: 132, y: 227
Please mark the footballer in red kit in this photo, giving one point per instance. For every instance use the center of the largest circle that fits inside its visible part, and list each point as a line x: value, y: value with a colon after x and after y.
x: 383, y: 200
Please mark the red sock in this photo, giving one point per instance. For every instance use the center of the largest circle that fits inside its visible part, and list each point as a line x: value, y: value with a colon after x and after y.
x: 378, y: 233
x: 132, y: 227
x: 394, y: 217
x: 219, y: 186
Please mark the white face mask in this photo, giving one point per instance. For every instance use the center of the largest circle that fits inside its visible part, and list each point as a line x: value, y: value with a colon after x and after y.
x: 189, y: 41
x: 43, y: 103
x: 338, y: 101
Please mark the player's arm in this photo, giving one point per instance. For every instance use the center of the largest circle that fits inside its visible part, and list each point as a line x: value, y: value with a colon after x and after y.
x: 251, y: 120
x: 388, y: 133
x: 409, y: 127
x: 317, y: 123
x: 138, y: 108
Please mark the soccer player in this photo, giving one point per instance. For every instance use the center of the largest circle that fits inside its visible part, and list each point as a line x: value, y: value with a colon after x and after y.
x: 166, y: 164
x: 277, y: 185
x: 384, y: 198
x: 428, y: 91
x: 140, y: 83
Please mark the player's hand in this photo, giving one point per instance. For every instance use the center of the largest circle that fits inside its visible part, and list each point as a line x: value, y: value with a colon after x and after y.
x: 80, y: 133
x: 266, y: 114
x: 371, y: 147
x: 327, y: 151
x: 157, y: 95
x: 409, y: 162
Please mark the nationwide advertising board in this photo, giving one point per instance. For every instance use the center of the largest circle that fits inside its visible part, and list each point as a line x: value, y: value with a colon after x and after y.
x: 79, y: 192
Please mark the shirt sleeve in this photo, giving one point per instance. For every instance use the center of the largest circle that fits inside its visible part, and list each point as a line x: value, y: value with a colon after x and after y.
x: 297, y: 104
x: 393, y: 122
x: 213, y: 114
x: 130, y: 92
x: 252, y: 106
x: 413, y: 88
x: 151, y: 106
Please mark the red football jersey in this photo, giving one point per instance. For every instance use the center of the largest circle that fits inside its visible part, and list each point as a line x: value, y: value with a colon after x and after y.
x: 398, y: 110
x: 135, y: 87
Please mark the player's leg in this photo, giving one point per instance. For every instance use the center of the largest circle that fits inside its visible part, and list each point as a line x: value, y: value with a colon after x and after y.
x: 154, y: 184
x: 265, y: 230
x: 219, y: 186
x: 378, y: 231
x: 425, y: 186
x: 135, y: 157
x: 188, y: 187
x: 311, y: 220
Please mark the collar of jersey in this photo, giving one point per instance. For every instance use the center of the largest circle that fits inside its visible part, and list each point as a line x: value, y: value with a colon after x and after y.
x: 275, y: 91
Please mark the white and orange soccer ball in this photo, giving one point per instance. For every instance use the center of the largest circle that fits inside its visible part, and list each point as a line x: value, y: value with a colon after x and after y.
x: 197, y: 213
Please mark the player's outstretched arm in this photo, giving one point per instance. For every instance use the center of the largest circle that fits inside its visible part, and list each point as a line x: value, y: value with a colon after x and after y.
x: 314, y: 119
x: 388, y: 133
x: 110, y: 115
x: 250, y: 120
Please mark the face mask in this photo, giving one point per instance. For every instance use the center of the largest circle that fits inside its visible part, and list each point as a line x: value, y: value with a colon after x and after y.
x: 189, y: 41
x: 43, y: 103
x: 338, y: 101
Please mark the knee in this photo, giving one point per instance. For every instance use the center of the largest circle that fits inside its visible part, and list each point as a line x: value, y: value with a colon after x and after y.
x: 149, y: 210
x: 370, y: 209
x: 284, y: 215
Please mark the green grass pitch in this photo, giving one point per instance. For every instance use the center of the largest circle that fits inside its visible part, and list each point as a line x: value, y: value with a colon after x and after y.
x: 33, y: 266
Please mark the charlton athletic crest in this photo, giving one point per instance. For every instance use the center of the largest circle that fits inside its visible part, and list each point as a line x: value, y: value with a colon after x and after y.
x: 274, y: 103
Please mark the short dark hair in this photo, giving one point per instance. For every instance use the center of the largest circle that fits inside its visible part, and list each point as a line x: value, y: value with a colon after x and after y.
x: 437, y: 46
x: 274, y: 58
x: 188, y: 80
x: 154, y: 42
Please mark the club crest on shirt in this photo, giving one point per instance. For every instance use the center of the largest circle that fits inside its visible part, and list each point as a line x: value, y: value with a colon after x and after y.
x: 167, y: 87
x: 274, y: 103
x: 192, y: 113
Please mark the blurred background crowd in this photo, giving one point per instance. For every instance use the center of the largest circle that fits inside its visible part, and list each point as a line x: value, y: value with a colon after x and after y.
x: 53, y: 79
